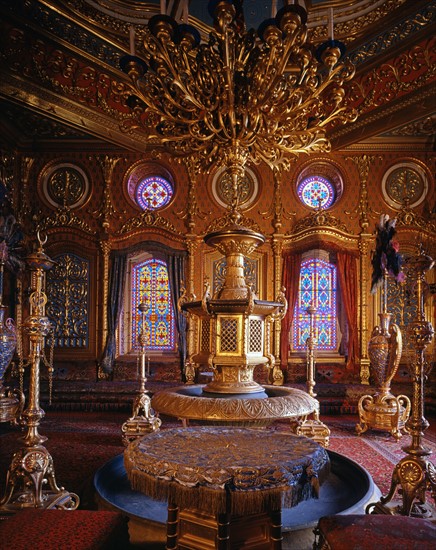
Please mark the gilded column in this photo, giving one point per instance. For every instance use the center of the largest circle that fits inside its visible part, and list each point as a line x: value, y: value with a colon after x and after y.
x: 107, y: 210
x: 192, y: 324
x: 364, y: 259
x: 277, y: 212
x: 103, y: 284
x: 191, y: 212
x: 363, y: 164
x: 276, y: 376
x: 104, y: 214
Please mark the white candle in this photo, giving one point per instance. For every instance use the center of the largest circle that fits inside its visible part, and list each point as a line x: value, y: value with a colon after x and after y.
x: 162, y: 7
x: 132, y: 40
x: 331, y: 24
x: 274, y: 8
x: 185, y: 12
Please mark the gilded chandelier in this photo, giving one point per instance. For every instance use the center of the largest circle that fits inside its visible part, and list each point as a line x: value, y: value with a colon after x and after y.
x: 242, y: 95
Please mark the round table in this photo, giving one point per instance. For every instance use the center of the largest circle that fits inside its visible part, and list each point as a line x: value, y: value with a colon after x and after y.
x: 222, y: 483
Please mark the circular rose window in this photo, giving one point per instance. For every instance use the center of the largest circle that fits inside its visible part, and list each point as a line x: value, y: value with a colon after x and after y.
x: 316, y: 192
x: 153, y: 193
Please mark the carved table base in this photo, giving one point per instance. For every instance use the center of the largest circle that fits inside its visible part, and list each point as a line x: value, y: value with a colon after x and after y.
x: 192, y: 529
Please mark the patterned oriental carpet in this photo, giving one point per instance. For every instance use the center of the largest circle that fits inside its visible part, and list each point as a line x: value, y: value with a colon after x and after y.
x: 81, y: 442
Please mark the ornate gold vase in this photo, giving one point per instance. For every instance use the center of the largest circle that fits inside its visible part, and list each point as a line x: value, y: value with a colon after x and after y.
x: 11, y: 399
x: 415, y: 475
x: 384, y: 411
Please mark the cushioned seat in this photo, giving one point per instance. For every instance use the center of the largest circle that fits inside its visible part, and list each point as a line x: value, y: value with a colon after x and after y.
x: 368, y: 532
x: 73, y: 529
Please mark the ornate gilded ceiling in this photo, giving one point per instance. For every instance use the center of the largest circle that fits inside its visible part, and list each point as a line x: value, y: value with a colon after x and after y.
x: 60, y: 80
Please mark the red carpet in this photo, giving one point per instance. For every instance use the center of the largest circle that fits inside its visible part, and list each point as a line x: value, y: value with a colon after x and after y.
x: 81, y: 442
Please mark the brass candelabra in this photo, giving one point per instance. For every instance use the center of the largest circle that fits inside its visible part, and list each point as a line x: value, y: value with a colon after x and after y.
x: 312, y: 427
x: 414, y: 474
x: 139, y: 424
x: 30, y: 481
x: 310, y: 359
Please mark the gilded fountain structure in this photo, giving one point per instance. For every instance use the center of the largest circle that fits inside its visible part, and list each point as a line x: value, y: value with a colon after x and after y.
x: 233, y: 335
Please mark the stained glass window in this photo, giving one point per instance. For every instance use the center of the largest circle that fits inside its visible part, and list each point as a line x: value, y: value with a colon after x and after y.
x: 318, y: 289
x: 316, y: 192
x: 153, y: 193
x: 151, y: 286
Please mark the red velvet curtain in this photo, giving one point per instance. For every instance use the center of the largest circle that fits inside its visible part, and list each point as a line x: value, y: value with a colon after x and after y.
x: 347, y: 272
x: 290, y: 280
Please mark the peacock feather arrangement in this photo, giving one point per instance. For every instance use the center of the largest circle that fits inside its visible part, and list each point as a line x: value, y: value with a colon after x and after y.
x: 386, y: 257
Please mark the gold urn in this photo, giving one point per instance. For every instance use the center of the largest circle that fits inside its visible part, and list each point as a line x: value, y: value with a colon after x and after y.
x: 384, y: 411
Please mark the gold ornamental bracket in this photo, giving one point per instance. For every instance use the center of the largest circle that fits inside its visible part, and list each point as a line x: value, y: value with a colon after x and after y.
x: 242, y: 95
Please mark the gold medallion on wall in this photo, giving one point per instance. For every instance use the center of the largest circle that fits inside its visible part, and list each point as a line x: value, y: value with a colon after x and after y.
x: 248, y: 188
x: 405, y: 182
x: 64, y: 185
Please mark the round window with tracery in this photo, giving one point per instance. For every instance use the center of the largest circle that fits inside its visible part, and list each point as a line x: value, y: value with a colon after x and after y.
x: 316, y: 192
x: 153, y: 193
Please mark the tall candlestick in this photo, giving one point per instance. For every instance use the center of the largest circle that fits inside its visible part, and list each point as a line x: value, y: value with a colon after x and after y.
x: 274, y: 8
x: 185, y: 12
x: 162, y: 7
x: 331, y: 24
x: 132, y: 40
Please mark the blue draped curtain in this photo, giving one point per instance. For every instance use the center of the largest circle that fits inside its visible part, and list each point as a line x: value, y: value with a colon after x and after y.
x: 115, y: 300
x: 175, y: 261
x: 176, y: 274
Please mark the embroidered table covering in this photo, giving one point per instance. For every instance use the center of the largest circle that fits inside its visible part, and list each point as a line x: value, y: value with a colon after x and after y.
x: 220, y: 469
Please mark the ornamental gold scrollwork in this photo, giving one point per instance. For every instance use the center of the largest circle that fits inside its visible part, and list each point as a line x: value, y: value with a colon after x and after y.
x: 405, y: 73
x: 227, y: 220
x: 390, y: 37
x: 63, y: 217
x: 408, y: 217
x: 148, y: 218
x: 318, y: 219
x: 67, y: 288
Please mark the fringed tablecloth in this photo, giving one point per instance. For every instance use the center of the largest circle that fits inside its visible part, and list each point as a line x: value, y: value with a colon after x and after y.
x: 235, y: 470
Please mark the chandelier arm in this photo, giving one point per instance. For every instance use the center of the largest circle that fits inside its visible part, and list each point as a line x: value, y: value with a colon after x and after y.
x: 240, y: 96
x: 160, y: 52
x: 228, y: 44
x: 280, y: 61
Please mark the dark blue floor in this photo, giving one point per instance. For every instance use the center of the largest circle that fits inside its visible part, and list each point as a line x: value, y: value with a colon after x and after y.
x: 348, y: 489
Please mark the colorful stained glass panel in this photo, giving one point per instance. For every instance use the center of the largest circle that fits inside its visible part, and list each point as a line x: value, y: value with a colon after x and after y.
x: 153, y: 193
x: 317, y: 289
x: 316, y: 192
x: 151, y: 286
